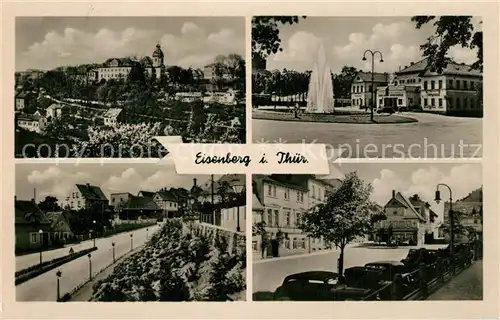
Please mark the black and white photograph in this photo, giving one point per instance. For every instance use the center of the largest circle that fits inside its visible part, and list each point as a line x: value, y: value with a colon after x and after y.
x: 126, y: 232
x: 369, y: 232
x: 375, y: 87
x: 105, y: 86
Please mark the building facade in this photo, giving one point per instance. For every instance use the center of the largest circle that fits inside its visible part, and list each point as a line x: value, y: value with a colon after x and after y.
x: 361, y: 87
x: 84, y: 196
x: 32, y: 122
x: 452, y: 90
x: 112, y: 116
x: 401, y: 97
x: 167, y: 203
x: 29, y: 221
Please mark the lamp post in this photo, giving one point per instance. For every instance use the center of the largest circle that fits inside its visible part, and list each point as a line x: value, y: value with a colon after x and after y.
x: 239, y: 187
x: 113, y: 245
x: 147, y: 234
x: 58, y: 274
x: 373, y: 53
x: 90, y: 266
x: 131, y: 242
x: 40, y: 232
x: 452, y: 222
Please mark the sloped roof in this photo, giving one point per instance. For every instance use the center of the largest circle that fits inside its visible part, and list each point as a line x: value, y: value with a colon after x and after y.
x: 112, y: 113
x: 402, y: 199
x: 452, y: 68
x: 256, y: 204
x: 230, y: 179
x: 91, y: 192
x: 377, y: 77
x: 334, y: 182
x: 23, y: 94
x: 55, y: 106
x: 166, y: 195
x: 140, y: 203
x: 58, y: 221
x: 122, y: 62
x: 29, y: 117
x: 28, y: 212
x: 149, y: 194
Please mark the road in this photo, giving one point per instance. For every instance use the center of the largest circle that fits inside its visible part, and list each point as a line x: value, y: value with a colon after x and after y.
x: 380, y: 140
x: 268, y: 275
x: 43, y: 287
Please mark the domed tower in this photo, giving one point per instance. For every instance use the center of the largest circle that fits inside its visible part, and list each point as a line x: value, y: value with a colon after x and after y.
x: 158, y: 57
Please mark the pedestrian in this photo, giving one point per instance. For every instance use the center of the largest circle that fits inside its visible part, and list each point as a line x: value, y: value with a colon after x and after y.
x: 71, y: 251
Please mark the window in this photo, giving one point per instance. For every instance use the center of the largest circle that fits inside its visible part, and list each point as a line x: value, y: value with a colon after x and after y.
x: 465, y: 84
x: 458, y: 102
x: 72, y: 204
x: 287, y: 194
x: 450, y: 84
x: 425, y: 102
x: 302, y: 197
x: 395, y: 213
x: 400, y: 102
x: 297, y: 218
x: 33, y: 237
x: 370, y: 88
x: 425, y: 85
x: 458, y: 84
x: 303, y: 243
x: 287, y: 218
x: 395, y: 83
x: 276, y: 218
x: 294, y: 242
x: 269, y: 217
x: 465, y: 102
x: 314, y: 192
x: 433, y: 85
x: 472, y: 85
x: 353, y: 102
x: 380, y: 102
x: 298, y: 196
x: 274, y: 191
x: 361, y: 89
x: 440, y: 102
x: 269, y: 191
x: 254, y: 246
x: 78, y: 203
x: 440, y: 84
x: 402, y: 81
x: 433, y: 102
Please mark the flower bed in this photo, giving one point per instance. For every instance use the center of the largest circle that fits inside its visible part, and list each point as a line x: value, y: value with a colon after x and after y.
x: 178, y: 264
x: 36, y: 270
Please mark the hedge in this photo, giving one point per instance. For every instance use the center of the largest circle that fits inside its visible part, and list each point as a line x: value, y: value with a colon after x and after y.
x: 36, y: 270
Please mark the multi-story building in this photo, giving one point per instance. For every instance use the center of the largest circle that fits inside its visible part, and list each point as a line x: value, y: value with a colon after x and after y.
x: 285, y: 199
x: 409, y: 223
x: 32, y: 122
x: 470, y: 212
x: 361, y: 87
x: 24, y: 99
x: 85, y: 196
x: 452, y: 90
x: 167, y: 202
x: 119, y: 199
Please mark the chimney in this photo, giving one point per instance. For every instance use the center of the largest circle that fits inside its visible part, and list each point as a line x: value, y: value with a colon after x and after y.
x: 194, y: 182
x: 393, y: 193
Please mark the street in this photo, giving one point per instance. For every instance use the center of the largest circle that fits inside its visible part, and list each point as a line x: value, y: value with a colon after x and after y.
x: 269, y: 274
x: 443, y: 131
x: 43, y: 287
x: 468, y: 285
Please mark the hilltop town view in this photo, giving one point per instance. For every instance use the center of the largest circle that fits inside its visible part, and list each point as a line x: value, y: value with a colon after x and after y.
x: 377, y: 87
x: 92, y: 87
x: 375, y: 232
x: 128, y: 233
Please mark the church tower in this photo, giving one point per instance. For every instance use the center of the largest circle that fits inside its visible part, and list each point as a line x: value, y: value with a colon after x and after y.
x: 158, y: 57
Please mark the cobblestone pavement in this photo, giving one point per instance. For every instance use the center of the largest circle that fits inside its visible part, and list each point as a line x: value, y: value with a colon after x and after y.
x: 468, y: 285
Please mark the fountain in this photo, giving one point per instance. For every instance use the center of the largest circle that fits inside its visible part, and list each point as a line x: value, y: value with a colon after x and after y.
x: 320, y: 95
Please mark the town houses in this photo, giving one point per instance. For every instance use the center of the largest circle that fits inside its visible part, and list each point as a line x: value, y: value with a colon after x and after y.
x: 416, y: 87
x: 280, y: 201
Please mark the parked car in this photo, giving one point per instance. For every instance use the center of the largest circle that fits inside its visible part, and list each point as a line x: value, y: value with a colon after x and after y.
x: 386, y: 110
x: 318, y: 286
x: 417, y: 256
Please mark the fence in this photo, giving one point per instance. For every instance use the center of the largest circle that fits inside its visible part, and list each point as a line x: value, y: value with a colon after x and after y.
x: 424, y: 280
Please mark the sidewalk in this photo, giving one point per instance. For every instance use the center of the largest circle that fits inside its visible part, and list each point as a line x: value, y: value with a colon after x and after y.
x: 85, y: 292
x: 468, y: 285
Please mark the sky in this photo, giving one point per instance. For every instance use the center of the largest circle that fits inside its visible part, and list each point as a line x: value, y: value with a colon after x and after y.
x: 345, y: 39
x: 58, y: 180
x: 48, y: 42
x: 415, y: 178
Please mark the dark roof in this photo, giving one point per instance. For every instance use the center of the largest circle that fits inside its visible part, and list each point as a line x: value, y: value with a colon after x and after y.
x: 166, y: 195
x: 23, y: 94
x: 158, y: 52
x: 405, y: 203
x: 452, y: 68
x: 140, y: 203
x: 149, y: 194
x: 27, y: 212
x: 91, y: 192
x: 122, y: 62
x: 29, y: 117
x: 256, y: 204
x: 58, y: 221
x: 367, y: 76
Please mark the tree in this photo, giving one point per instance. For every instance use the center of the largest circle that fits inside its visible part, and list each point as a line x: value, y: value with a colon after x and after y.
x: 49, y: 204
x: 259, y: 229
x: 450, y: 31
x: 381, y: 235
x: 343, y: 217
x: 342, y: 82
x: 265, y: 34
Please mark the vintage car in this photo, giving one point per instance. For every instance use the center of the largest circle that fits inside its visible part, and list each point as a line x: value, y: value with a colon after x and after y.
x: 416, y: 256
x: 318, y: 286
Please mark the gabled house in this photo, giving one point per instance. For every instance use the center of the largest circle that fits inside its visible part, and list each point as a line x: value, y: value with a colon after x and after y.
x: 361, y: 87
x: 112, y: 116
x: 23, y: 100
x: 29, y: 221
x: 61, y: 229
x: 140, y: 207
x: 167, y: 202
x: 55, y: 111
x: 119, y: 199
x: 32, y: 122
x: 408, y: 224
x: 84, y: 196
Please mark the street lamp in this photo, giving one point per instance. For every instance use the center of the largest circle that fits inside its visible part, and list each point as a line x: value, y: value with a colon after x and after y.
x: 94, y: 231
x: 113, y: 244
x: 40, y: 232
x: 131, y: 242
x: 58, y: 274
x: 373, y: 53
x: 239, y: 186
x: 90, y: 266
x: 147, y: 235
x: 437, y: 198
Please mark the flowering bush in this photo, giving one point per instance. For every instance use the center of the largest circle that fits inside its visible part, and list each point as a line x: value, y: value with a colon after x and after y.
x: 177, y: 264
